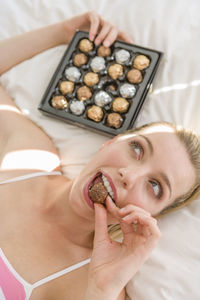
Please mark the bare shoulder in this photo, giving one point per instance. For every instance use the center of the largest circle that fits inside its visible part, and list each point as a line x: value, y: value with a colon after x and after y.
x: 18, y: 132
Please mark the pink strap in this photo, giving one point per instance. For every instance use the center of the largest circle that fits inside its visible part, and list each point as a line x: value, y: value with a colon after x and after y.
x: 10, y: 287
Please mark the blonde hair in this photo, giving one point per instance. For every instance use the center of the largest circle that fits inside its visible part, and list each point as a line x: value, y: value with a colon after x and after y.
x: 191, y: 143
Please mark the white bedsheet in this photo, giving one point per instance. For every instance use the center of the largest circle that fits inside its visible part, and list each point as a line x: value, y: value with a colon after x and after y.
x: 173, y: 27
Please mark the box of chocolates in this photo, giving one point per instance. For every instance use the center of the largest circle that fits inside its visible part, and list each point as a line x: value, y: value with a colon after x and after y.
x: 100, y: 88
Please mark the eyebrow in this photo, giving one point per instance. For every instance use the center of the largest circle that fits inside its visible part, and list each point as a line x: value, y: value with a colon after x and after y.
x: 150, y: 146
x: 162, y: 175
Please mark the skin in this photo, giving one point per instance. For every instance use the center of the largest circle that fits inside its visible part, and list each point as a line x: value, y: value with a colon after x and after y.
x: 65, y: 222
x: 131, y: 169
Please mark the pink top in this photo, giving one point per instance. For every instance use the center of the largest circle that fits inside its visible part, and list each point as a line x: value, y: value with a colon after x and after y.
x: 12, y: 285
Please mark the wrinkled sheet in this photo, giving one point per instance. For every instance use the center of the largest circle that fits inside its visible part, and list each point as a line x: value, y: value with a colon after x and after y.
x: 173, y: 27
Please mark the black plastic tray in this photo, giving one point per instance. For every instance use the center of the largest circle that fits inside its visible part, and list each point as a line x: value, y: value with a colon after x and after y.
x: 136, y: 102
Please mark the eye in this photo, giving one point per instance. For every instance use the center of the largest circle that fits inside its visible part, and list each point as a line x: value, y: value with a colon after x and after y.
x: 157, y: 188
x: 137, y: 148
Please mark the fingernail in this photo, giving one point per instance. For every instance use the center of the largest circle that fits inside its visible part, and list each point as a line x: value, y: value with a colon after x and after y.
x: 106, y: 44
x: 125, y: 218
x: 109, y: 198
x: 97, y: 42
x: 91, y: 37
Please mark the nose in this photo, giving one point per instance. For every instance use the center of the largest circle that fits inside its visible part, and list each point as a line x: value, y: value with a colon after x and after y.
x: 129, y: 177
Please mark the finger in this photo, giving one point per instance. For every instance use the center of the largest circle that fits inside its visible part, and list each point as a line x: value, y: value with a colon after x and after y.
x: 112, y: 208
x: 146, y: 226
x: 94, y: 25
x: 111, y: 37
x: 124, y: 37
x: 103, y: 33
x: 101, y: 229
x: 136, y: 217
x: 129, y: 233
x: 132, y: 208
x: 127, y: 228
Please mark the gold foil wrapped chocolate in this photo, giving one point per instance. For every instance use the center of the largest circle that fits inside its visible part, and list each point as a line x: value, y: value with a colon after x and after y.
x: 103, y: 51
x: 59, y: 102
x: 95, y: 113
x: 91, y: 79
x: 120, y: 105
x: 80, y: 59
x: 134, y: 76
x: 141, y: 62
x: 85, y: 45
x: 114, y: 120
x: 66, y: 87
x: 115, y: 71
x: 84, y: 93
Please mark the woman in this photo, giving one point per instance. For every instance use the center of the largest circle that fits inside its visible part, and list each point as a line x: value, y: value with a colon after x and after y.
x: 49, y: 221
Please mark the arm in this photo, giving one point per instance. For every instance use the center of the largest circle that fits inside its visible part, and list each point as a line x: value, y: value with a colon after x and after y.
x: 17, y: 49
x: 113, y: 264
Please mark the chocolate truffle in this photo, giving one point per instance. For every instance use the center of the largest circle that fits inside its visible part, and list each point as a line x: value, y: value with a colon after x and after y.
x: 103, y: 51
x: 134, y: 76
x: 84, y: 93
x: 122, y: 56
x: 98, y: 193
x: 85, y: 45
x: 59, y: 102
x: 72, y: 74
x: 95, y: 113
x: 102, y: 98
x: 98, y: 64
x: 141, y: 62
x: 80, y: 59
x: 66, y: 87
x: 120, y: 105
x: 127, y: 90
x: 77, y: 107
x: 91, y: 79
x: 115, y: 71
x: 114, y: 120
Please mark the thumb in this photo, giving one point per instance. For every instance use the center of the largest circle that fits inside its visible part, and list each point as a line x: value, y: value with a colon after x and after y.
x: 101, y: 227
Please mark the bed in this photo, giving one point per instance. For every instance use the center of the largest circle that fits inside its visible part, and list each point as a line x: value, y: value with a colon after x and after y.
x: 173, y: 270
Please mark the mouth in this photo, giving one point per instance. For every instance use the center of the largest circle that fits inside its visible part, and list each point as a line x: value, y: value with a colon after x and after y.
x: 98, y: 188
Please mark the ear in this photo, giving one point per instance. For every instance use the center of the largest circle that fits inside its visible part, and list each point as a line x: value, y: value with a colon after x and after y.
x: 108, y: 143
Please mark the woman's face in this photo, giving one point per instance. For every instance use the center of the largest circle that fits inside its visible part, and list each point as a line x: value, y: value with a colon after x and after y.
x: 146, y: 170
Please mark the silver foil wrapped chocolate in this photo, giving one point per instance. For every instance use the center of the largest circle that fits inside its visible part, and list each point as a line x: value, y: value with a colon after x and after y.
x: 77, y: 107
x: 122, y: 56
x: 102, y: 98
x: 98, y: 64
x: 73, y: 74
x: 127, y: 90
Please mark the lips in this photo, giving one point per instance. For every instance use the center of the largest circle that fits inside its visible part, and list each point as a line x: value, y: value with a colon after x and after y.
x: 108, y: 183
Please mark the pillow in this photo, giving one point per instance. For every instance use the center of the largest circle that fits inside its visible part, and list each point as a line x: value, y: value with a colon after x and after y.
x: 172, y: 271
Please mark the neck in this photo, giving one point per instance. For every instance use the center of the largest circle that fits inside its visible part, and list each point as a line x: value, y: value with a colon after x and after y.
x: 67, y: 223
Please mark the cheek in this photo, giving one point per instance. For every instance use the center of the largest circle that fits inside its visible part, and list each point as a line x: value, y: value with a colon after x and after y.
x: 113, y: 155
x: 139, y: 197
